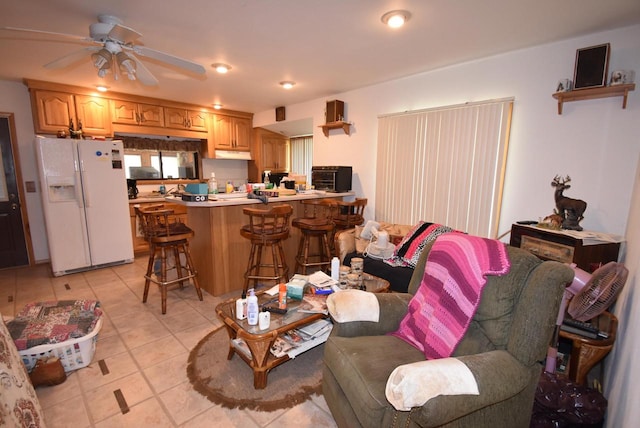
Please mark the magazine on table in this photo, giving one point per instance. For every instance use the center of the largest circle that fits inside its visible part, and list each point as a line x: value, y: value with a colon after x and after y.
x: 314, y: 304
x: 294, y: 342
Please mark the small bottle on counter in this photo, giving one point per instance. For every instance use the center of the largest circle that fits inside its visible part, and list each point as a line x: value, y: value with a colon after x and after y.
x: 241, y: 307
x: 282, y: 296
x: 252, y: 308
x: 335, y: 268
x: 229, y: 187
x: 213, y: 184
x: 163, y: 189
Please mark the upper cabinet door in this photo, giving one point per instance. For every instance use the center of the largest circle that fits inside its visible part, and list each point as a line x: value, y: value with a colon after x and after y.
x: 52, y: 111
x: 243, y: 130
x: 94, y: 114
x: 132, y: 113
x: 185, y: 119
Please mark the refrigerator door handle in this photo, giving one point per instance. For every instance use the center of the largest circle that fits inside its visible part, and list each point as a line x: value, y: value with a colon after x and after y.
x: 83, y: 197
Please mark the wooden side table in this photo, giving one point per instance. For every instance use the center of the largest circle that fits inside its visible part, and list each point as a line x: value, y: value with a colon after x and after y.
x: 587, y: 352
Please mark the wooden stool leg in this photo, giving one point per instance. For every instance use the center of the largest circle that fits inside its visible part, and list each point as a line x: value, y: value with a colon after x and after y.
x: 285, y: 268
x: 305, y: 253
x: 192, y: 270
x: 276, y: 263
x: 247, y: 273
x: 326, y: 250
x: 178, y: 263
x: 147, y: 281
x: 163, y: 278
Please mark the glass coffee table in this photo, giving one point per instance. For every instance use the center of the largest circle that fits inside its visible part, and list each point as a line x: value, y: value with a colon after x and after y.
x: 259, y: 342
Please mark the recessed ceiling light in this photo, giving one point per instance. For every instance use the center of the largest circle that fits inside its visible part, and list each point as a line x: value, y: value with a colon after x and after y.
x: 217, y: 106
x: 102, y: 88
x: 287, y: 84
x: 221, y: 68
x: 396, y: 18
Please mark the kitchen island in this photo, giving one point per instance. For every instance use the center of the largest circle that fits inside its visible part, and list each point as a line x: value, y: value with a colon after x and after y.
x: 219, y: 253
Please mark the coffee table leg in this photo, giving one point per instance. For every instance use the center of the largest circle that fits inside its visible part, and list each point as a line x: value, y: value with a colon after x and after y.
x: 232, y: 335
x: 260, y: 355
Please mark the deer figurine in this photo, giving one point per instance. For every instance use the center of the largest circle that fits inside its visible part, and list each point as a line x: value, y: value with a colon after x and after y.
x: 571, y: 210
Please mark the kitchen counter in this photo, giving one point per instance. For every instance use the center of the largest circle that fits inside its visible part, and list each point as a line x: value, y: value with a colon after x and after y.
x: 220, y: 254
x: 227, y: 199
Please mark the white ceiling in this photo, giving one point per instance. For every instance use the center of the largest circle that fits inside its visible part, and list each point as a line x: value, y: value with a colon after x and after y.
x: 326, y: 46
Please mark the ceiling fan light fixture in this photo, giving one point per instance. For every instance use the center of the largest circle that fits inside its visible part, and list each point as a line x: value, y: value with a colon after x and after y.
x: 221, y: 67
x: 101, y: 59
x: 287, y: 84
x: 217, y: 106
x: 396, y: 18
x: 126, y: 65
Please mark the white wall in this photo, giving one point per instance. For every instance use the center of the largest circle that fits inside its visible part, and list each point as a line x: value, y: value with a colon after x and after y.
x: 622, y: 370
x: 595, y: 142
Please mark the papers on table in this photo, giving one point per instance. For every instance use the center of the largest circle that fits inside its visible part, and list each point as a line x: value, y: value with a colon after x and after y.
x: 320, y: 279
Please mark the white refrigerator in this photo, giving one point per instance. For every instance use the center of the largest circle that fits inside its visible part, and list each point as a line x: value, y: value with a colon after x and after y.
x: 85, y: 203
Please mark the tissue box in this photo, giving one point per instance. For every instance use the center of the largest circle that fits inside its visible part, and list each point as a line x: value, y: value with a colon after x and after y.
x: 197, y: 188
x: 295, y: 289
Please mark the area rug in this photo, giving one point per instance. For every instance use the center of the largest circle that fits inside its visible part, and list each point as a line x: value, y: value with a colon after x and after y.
x: 230, y: 382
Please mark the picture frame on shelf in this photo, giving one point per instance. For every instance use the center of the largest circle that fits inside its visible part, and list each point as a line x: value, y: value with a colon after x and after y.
x: 592, y: 67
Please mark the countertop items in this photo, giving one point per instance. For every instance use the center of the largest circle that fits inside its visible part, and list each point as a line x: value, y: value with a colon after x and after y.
x: 227, y: 199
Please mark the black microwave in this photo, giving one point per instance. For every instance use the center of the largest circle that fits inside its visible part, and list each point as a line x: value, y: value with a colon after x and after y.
x: 331, y: 178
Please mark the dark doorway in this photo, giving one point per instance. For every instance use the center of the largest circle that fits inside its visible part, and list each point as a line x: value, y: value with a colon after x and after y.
x: 13, y: 245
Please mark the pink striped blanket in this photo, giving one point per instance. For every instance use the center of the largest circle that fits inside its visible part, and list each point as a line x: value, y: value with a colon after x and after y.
x: 444, y: 304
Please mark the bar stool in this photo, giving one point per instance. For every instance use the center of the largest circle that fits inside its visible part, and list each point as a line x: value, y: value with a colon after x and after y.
x: 350, y: 214
x: 266, y: 228
x: 318, y: 224
x: 165, y: 238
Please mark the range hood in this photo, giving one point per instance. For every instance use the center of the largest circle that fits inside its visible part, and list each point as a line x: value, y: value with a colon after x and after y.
x: 231, y: 154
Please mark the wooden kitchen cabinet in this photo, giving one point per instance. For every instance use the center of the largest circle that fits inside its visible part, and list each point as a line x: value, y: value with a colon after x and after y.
x: 270, y: 152
x: 275, y: 154
x: 94, y: 114
x: 563, y: 247
x: 52, y: 111
x: 231, y: 132
x: 139, y: 244
x: 132, y: 113
x: 191, y: 120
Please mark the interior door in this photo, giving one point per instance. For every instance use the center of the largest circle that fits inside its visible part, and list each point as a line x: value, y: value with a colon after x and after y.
x: 13, y: 245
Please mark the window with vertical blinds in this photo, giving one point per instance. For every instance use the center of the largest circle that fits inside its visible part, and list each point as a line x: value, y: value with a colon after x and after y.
x: 302, y: 155
x: 444, y: 165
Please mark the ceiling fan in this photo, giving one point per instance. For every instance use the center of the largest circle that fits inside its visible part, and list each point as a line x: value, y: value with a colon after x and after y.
x: 113, y: 49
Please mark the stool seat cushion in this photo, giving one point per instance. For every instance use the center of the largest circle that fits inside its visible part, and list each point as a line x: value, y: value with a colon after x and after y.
x: 320, y: 224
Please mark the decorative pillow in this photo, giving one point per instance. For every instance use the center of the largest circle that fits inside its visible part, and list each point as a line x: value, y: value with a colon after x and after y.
x: 409, y: 249
x: 19, y: 404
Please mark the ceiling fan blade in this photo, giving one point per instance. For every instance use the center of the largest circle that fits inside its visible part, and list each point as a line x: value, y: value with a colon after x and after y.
x: 169, y: 59
x: 143, y: 74
x: 124, y: 34
x: 71, y: 58
x: 52, y: 34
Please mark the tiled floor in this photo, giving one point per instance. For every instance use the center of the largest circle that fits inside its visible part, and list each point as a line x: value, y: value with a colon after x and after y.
x: 145, y: 353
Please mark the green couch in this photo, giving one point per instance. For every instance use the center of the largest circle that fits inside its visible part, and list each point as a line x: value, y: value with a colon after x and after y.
x: 504, y: 347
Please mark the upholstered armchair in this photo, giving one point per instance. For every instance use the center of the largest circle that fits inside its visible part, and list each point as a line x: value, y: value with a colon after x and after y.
x: 504, y: 348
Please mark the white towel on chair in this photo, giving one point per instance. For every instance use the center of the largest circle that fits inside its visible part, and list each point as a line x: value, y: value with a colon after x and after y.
x: 353, y: 305
x: 412, y: 385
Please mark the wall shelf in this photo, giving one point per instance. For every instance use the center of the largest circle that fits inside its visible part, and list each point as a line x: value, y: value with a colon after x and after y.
x: 594, y: 93
x: 345, y: 126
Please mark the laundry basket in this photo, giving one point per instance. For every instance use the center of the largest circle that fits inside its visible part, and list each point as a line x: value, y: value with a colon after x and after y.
x: 64, y: 329
x: 73, y: 353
